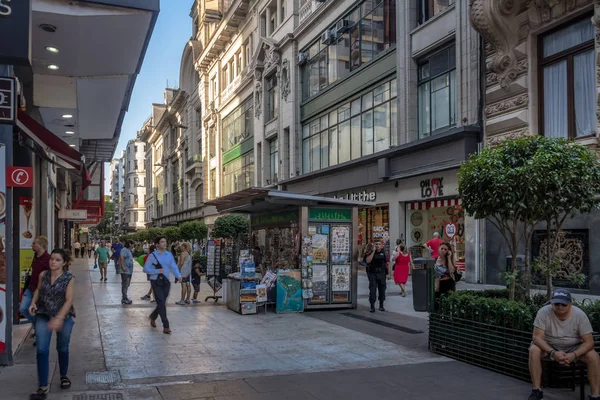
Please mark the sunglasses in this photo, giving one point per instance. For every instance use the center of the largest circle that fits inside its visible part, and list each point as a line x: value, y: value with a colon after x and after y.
x: 560, y: 305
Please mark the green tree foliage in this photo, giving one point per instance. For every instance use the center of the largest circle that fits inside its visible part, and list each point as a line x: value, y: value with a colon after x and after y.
x: 193, y: 230
x: 153, y: 233
x: 230, y: 226
x: 106, y: 226
x: 172, y: 233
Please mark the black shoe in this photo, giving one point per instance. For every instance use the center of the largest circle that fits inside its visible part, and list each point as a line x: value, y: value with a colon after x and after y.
x: 381, y: 308
x: 536, y: 394
x: 372, y: 308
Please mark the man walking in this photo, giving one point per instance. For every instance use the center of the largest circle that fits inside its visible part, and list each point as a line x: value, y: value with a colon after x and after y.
x: 76, y: 248
x: 101, y: 258
x: 126, y: 262
x: 116, y: 249
x: 562, y: 333
x: 433, y: 245
x: 378, y: 272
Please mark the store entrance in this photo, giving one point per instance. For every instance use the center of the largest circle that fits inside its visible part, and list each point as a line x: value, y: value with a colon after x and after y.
x: 374, y: 225
x: 445, y: 217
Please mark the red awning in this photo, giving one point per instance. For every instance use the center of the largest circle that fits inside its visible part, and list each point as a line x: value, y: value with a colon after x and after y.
x: 52, y: 143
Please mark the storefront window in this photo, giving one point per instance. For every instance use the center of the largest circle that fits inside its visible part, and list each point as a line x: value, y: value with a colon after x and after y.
x: 364, y: 126
x: 374, y: 226
x: 424, y: 218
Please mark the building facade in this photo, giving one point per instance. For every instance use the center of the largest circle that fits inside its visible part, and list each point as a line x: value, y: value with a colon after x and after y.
x: 543, y: 78
x: 134, y: 186
x: 116, y: 186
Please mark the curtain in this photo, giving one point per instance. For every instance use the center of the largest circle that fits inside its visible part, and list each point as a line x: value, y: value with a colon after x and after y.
x: 568, y: 37
x: 555, y: 100
x: 585, y: 87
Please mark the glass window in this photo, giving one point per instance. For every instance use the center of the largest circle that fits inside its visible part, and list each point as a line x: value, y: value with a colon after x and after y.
x: 238, y: 125
x: 238, y: 174
x: 274, y: 160
x: 437, y: 92
x: 272, y: 98
x: 344, y: 142
x: 367, y: 132
x: 568, y: 75
x: 333, y: 146
x: 430, y: 8
x: 382, y: 127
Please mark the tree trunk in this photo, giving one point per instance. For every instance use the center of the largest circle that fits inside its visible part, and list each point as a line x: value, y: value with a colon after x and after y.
x: 513, y: 282
x: 527, y: 277
x: 549, y: 245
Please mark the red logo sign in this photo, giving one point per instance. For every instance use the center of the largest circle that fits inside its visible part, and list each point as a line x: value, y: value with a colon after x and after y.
x: 19, y: 176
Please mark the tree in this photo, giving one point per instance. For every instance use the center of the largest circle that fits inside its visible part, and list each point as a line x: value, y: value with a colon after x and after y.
x: 106, y: 226
x: 193, y: 230
x: 153, y: 233
x: 172, y: 233
x: 230, y: 226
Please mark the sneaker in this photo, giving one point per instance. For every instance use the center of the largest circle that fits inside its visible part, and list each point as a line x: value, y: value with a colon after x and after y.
x: 187, y: 302
x: 145, y: 297
x: 126, y: 301
x: 180, y: 303
x: 152, y: 301
x: 372, y: 310
x: 196, y: 301
x: 536, y: 394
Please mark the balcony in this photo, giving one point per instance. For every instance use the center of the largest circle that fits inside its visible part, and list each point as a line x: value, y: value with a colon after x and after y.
x: 193, y: 164
x: 307, y: 8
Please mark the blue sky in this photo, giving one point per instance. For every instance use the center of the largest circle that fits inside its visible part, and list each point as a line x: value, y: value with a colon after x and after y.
x: 161, y: 64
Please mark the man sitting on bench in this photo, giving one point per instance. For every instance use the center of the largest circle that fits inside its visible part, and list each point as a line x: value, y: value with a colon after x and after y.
x: 562, y: 333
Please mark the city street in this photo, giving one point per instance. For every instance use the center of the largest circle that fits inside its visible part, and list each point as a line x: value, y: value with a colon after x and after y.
x: 215, y: 353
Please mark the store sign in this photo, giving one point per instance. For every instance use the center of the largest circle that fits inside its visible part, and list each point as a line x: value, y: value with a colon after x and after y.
x: 432, y: 188
x: 450, y: 230
x: 73, y: 215
x: 329, y: 214
x: 19, y: 176
x: 275, y: 219
x: 8, y: 101
x: 359, y: 196
x: 15, y: 31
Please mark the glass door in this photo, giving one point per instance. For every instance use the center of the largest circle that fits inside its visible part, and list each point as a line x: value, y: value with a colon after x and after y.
x: 316, y: 244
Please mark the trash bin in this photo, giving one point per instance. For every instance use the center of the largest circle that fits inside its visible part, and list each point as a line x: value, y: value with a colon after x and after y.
x: 423, y: 284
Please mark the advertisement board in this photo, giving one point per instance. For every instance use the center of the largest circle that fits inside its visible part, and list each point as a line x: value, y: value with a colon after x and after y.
x: 3, y: 316
x: 26, y: 235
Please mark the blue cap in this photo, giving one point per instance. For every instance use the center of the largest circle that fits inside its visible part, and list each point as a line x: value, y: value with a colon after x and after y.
x: 561, y: 296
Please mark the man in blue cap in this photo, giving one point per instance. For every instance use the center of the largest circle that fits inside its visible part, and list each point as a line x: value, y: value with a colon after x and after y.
x: 562, y: 333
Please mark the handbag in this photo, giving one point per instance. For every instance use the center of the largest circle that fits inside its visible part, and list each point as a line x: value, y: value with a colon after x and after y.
x: 457, y: 276
x: 27, y: 280
x: 161, y: 279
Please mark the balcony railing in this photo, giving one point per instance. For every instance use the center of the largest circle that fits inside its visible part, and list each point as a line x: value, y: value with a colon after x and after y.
x: 307, y: 8
x: 193, y: 159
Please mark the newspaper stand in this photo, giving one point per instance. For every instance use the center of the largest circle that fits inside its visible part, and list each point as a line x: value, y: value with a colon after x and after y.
x: 213, y: 268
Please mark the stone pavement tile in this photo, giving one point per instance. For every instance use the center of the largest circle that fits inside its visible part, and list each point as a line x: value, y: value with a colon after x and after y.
x: 281, y: 395
x: 205, y: 389
x: 150, y: 393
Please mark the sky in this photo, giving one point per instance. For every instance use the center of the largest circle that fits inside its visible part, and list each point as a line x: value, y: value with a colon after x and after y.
x: 161, y: 65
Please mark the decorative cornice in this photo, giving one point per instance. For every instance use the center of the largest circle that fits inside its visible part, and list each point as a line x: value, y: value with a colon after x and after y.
x: 493, y: 79
x: 520, y: 101
x: 511, y: 135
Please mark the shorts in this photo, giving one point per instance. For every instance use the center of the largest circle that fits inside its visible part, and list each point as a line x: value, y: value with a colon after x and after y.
x: 196, y: 286
x: 185, y: 279
x: 102, y: 264
x: 567, y: 350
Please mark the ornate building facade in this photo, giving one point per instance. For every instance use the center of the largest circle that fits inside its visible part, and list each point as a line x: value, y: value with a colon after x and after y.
x: 543, y: 78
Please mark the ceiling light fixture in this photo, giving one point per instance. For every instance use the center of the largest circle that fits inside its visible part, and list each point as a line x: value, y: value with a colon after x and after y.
x: 67, y: 116
x: 53, y: 67
x: 70, y: 132
x: 48, y: 28
x: 52, y: 49
x: 72, y: 145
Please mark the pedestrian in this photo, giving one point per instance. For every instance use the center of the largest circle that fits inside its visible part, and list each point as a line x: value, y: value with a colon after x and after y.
x: 402, y: 264
x: 117, y: 246
x: 444, y: 270
x: 40, y: 263
x: 185, y: 268
x: 196, y: 279
x: 76, y: 248
x: 196, y: 245
x: 174, y: 249
x: 160, y: 265
x: 101, y: 257
x: 90, y: 248
x: 126, y: 262
x: 378, y: 272
x: 53, y: 307
x: 148, y: 296
x: 257, y: 259
x: 433, y: 245
x: 145, y: 247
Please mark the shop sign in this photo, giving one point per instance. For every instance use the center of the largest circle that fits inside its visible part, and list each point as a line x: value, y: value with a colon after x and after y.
x: 8, y: 101
x: 359, y: 196
x: 5, y: 8
x: 275, y: 219
x: 73, y: 215
x: 15, y: 30
x: 330, y: 214
x: 432, y: 188
x: 450, y: 230
x: 19, y: 176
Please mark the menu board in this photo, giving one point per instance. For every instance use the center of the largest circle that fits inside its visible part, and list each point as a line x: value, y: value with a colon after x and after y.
x: 213, y: 259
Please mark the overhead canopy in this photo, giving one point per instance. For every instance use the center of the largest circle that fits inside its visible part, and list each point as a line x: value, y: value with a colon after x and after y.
x: 256, y: 200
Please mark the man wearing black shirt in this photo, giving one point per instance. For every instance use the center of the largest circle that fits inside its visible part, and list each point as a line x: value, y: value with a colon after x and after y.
x: 378, y: 272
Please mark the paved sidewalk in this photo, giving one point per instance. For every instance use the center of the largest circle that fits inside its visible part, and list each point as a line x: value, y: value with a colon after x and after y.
x: 215, y: 353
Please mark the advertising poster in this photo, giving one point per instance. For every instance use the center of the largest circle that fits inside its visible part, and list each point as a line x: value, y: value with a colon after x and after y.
x: 320, y: 284
x: 340, y: 278
x: 289, y: 291
x: 319, y: 249
x: 26, y: 235
x: 340, y: 244
x: 3, y: 277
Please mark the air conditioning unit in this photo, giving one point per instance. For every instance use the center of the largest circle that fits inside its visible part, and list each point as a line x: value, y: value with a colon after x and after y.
x: 342, y: 26
x: 327, y: 37
x: 302, y: 58
x: 320, y: 1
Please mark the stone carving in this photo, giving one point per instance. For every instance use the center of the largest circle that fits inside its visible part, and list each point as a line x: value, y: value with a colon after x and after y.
x: 283, y: 76
x: 271, y: 56
x: 512, y: 135
x: 257, y: 99
x: 522, y: 66
x: 520, y: 101
x: 496, y: 21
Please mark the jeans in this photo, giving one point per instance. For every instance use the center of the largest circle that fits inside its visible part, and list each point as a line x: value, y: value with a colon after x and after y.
x: 160, y: 295
x: 377, y: 283
x: 63, y: 337
x: 125, y: 282
x: 25, y: 304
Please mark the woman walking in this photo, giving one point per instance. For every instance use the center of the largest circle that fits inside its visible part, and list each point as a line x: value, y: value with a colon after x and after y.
x: 444, y: 270
x: 53, y: 307
x: 40, y: 263
x: 126, y: 262
x: 159, y: 265
x: 402, y: 264
x: 185, y: 268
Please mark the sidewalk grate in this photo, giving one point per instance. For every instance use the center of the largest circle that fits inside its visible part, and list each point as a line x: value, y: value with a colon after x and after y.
x: 102, y: 377
x: 107, y: 396
x: 383, y: 323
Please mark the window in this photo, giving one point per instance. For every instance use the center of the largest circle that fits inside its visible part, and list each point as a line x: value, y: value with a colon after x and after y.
x: 355, y: 40
x: 240, y: 62
x: 199, y: 194
x: 135, y: 216
x: 136, y: 182
x: 225, y: 75
x: 274, y: 160
x: 238, y: 125
x: 282, y: 11
x: 430, y: 8
x: 363, y: 126
x: 568, y: 81
x: 272, y: 98
x: 212, y: 142
x: 198, y: 117
x: 135, y: 165
x: 437, y: 92
x: 238, y: 174
x: 213, y: 184
x: 135, y: 149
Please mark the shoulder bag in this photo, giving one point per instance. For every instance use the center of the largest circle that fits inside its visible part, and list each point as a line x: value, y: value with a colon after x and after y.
x: 161, y: 279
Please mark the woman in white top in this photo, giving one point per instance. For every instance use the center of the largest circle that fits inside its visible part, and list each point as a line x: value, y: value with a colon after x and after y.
x: 185, y: 267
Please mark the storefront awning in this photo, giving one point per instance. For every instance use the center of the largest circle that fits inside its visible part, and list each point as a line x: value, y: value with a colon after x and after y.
x: 257, y: 200
x: 67, y: 157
